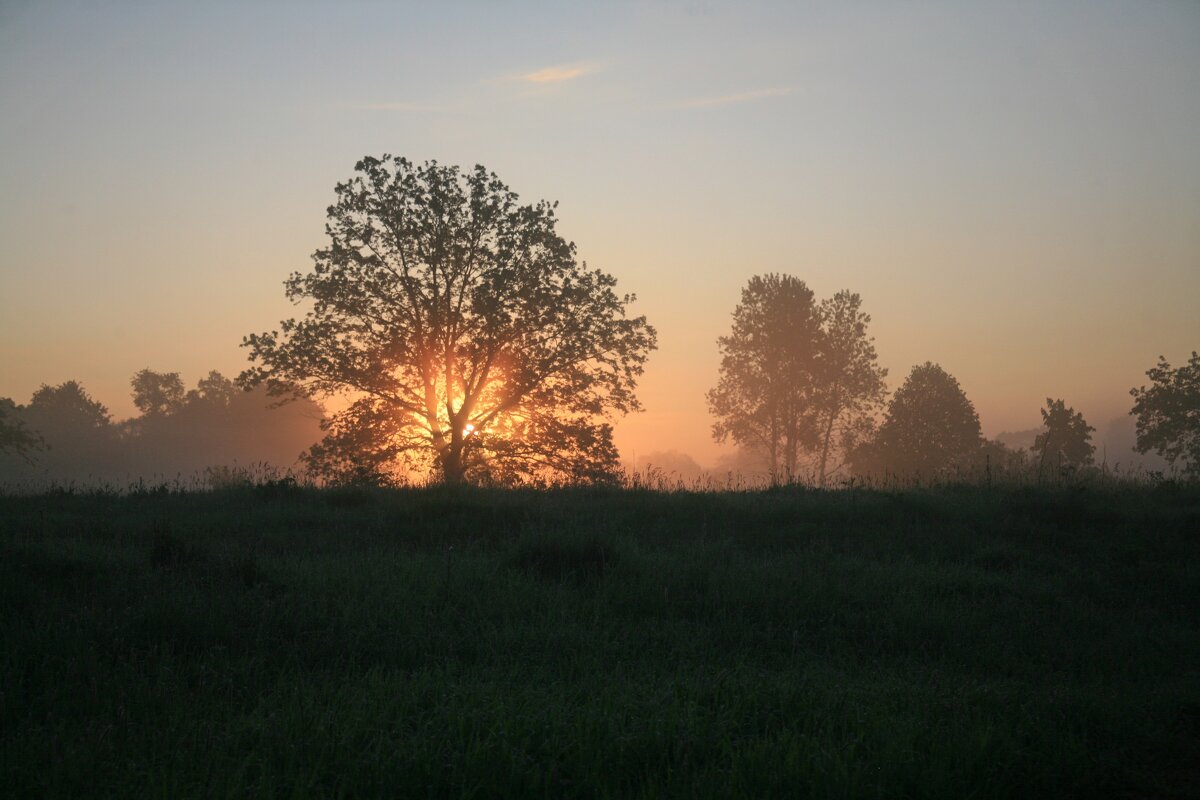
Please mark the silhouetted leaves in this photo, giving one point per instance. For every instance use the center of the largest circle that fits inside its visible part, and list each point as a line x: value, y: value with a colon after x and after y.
x: 1168, y: 413
x: 930, y: 430
x: 1066, y: 442
x: 472, y: 342
x: 796, y: 377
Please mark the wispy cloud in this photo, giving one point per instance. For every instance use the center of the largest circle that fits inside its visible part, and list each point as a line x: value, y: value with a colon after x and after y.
x: 737, y: 97
x: 390, y: 107
x: 555, y: 74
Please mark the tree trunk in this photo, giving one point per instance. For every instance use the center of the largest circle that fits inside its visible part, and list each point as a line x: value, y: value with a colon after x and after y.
x: 454, y: 471
x: 833, y: 413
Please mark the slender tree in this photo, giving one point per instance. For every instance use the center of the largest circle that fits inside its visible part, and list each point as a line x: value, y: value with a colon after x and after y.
x: 764, y: 397
x: 1168, y: 413
x: 462, y: 330
x: 1066, y: 441
x: 849, y: 384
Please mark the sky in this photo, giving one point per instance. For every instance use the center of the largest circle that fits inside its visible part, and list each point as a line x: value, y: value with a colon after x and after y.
x: 1013, y: 188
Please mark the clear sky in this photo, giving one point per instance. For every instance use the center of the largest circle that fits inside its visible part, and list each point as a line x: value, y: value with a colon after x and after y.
x: 1014, y: 188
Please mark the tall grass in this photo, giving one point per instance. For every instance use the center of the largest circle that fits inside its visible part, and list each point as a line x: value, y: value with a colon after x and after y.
x: 273, y: 639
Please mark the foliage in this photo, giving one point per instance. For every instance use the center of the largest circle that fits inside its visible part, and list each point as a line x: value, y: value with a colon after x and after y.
x: 15, y: 437
x: 217, y: 424
x: 214, y: 425
x: 795, y: 376
x: 850, y: 384
x: 157, y: 393
x: 460, y: 324
x: 1168, y: 413
x: 1066, y: 442
x: 428, y: 643
x: 930, y: 430
x: 70, y: 405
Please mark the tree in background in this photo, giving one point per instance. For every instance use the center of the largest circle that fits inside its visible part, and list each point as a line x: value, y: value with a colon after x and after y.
x: 66, y: 407
x: 76, y: 430
x: 849, y: 384
x: 764, y: 399
x: 215, y: 425
x: 15, y: 437
x: 467, y: 336
x: 1066, y: 442
x: 929, y: 431
x: 157, y: 393
x: 217, y: 429
x: 213, y: 388
x: 1168, y: 414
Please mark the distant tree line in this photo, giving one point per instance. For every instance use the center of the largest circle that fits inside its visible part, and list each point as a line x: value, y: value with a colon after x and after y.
x: 63, y: 436
x: 800, y: 392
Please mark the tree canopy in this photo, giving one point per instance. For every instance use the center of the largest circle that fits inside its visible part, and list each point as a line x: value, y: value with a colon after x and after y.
x: 930, y: 430
x: 796, y: 377
x: 1066, y: 442
x: 465, y: 335
x: 15, y: 437
x: 850, y: 383
x: 157, y: 393
x: 763, y: 399
x: 1168, y: 413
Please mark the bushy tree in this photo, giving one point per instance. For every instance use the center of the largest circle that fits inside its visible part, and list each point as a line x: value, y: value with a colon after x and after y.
x: 216, y: 425
x: 67, y: 406
x: 930, y: 430
x: 76, y: 433
x: 462, y: 329
x: 157, y: 393
x: 1066, y: 441
x: 764, y: 397
x: 1168, y: 414
x: 214, y: 389
x: 15, y: 436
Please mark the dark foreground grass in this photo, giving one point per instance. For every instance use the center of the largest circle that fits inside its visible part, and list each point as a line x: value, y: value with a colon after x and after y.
x: 284, y: 642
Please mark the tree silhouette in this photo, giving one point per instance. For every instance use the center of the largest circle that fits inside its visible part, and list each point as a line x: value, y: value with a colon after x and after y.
x: 930, y: 429
x: 795, y: 376
x: 214, y: 426
x: 66, y: 406
x: 157, y: 393
x: 459, y: 324
x: 849, y: 383
x: 764, y: 397
x: 15, y: 437
x: 214, y: 389
x: 77, y: 432
x: 1066, y: 441
x: 1168, y: 413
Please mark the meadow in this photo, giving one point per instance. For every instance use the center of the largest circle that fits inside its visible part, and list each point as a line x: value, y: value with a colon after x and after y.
x: 275, y: 640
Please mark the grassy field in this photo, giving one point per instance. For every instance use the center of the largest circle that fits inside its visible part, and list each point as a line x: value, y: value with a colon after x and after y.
x: 286, y: 642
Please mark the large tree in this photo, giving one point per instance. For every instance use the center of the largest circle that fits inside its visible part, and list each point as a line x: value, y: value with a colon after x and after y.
x: 849, y: 385
x: 763, y: 399
x: 1168, y: 413
x: 1066, y: 441
x: 461, y: 328
x: 930, y: 430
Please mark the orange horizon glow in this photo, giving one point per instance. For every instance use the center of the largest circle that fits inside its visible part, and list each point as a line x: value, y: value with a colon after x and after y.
x: 1013, y: 191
